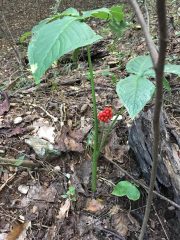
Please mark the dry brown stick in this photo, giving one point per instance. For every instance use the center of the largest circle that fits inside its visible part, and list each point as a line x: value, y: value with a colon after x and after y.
x: 149, y: 41
x: 13, y: 162
x: 159, y: 219
x: 8, y: 180
x: 143, y: 185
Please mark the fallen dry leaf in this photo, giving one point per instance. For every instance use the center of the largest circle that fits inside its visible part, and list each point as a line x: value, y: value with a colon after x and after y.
x: 64, y: 210
x: 18, y: 231
x: 94, y: 205
x: 67, y: 143
x: 16, y: 131
x: 72, y: 145
x: 47, y: 133
x: 44, y: 130
x: 80, y: 134
x: 4, y: 103
x: 119, y: 220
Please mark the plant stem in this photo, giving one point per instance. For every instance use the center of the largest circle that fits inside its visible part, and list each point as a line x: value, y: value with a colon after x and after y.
x: 159, y: 69
x: 95, y: 149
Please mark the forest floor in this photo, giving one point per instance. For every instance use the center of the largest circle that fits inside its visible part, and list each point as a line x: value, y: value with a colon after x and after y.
x: 37, y: 197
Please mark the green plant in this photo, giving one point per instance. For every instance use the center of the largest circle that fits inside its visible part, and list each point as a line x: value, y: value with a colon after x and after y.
x: 44, y: 50
x: 24, y: 37
x: 136, y: 90
x: 68, y: 32
x: 70, y: 194
x: 125, y: 188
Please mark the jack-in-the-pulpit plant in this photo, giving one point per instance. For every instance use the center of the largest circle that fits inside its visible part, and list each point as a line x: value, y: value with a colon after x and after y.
x: 66, y: 32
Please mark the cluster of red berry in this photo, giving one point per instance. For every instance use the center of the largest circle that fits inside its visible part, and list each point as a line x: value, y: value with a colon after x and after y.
x: 105, y: 115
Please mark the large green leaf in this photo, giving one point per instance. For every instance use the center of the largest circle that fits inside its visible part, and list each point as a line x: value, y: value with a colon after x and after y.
x: 169, y: 68
x: 125, y: 188
x: 71, y: 12
x: 172, y: 68
x: 139, y: 65
x: 52, y: 40
x: 115, y: 13
x: 102, y: 13
x: 134, y: 92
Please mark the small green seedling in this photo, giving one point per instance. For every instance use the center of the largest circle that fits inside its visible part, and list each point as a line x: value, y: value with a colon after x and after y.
x: 125, y: 188
x: 70, y: 194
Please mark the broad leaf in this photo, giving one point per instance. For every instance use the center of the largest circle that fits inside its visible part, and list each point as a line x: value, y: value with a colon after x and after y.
x: 115, y: 13
x: 70, y: 12
x: 139, y: 65
x: 40, y: 25
x: 101, y: 13
x: 169, y: 68
x: 125, y: 188
x: 52, y: 40
x: 134, y: 92
x: 172, y: 68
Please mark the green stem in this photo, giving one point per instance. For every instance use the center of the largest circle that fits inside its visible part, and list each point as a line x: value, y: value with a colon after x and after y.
x: 95, y: 149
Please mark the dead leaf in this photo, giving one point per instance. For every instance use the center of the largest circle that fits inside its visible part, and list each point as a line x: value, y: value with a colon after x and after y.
x: 119, y: 220
x: 72, y: 145
x: 80, y: 134
x: 47, y: 133
x: 39, y: 193
x: 44, y: 130
x: 84, y: 171
x: 72, y: 140
x: 18, y: 231
x: 94, y: 205
x: 16, y: 131
x: 64, y: 210
x: 4, y: 103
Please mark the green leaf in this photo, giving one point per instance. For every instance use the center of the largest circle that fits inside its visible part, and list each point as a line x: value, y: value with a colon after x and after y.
x: 40, y: 25
x: 117, y: 27
x: 24, y: 36
x: 117, y: 13
x: 101, y: 13
x: 52, y: 40
x: 70, y: 12
x: 172, y: 68
x: 125, y: 188
x: 166, y: 85
x: 134, y: 92
x: 139, y: 65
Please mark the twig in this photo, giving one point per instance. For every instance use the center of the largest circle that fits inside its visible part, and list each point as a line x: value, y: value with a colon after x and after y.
x: 161, y: 222
x: 8, y: 180
x: 55, y: 119
x: 149, y: 41
x: 143, y: 185
x: 13, y: 162
x: 159, y: 69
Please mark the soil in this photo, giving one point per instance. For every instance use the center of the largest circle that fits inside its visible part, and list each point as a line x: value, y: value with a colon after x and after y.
x: 34, y: 198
